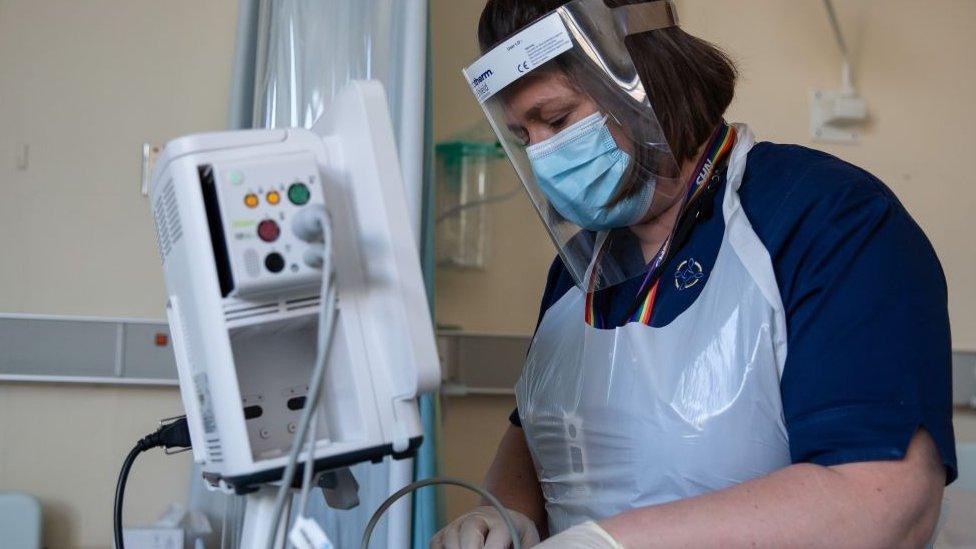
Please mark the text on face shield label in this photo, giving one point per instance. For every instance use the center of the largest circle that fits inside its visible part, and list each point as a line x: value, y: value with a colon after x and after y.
x: 517, y: 56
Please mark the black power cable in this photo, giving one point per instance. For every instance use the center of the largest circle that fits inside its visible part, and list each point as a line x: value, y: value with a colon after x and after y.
x: 170, y: 435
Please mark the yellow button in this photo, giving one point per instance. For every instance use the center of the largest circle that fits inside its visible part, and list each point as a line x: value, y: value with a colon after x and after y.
x: 273, y: 197
x: 251, y: 200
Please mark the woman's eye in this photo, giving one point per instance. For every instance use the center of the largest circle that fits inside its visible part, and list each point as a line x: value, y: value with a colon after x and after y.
x: 559, y: 122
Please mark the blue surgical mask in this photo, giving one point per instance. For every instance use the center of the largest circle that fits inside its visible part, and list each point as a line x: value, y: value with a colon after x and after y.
x: 580, y: 169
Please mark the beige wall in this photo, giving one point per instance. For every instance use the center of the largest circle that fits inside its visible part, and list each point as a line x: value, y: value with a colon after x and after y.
x: 84, y: 84
x: 913, y: 65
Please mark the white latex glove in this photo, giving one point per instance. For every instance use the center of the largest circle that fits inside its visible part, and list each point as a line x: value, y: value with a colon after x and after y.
x: 483, y: 527
x: 588, y: 535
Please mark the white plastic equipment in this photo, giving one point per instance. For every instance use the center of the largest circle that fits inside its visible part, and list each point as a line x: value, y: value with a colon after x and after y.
x: 20, y: 521
x: 243, y: 292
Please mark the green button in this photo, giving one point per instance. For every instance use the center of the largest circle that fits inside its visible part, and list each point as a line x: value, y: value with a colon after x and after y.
x: 235, y: 177
x: 298, y: 193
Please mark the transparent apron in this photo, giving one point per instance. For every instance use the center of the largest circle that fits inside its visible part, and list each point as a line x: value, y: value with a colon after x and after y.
x: 636, y: 416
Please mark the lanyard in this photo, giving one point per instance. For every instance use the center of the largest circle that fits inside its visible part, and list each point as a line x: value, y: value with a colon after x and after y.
x: 718, y: 147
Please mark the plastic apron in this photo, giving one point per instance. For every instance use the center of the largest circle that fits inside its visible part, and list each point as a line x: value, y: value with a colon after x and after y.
x: 636, y: 416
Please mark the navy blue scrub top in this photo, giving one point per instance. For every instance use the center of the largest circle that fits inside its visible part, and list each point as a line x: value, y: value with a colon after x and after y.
x: 868, y: 345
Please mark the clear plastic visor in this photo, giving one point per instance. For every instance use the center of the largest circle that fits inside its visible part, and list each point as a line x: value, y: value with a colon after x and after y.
x: 567, y: 104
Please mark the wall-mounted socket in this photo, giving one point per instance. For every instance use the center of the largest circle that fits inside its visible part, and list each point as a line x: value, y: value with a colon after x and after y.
x: 23, y: 157
x: 836, y: 117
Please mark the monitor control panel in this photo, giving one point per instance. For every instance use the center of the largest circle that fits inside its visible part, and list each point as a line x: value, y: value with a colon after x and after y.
x: 257, y: 200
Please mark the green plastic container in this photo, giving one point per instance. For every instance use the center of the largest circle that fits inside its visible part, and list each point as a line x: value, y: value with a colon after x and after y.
x: 465, y: 172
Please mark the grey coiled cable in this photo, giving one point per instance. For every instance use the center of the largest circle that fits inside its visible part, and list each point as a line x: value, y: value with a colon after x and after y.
x: 371, y: 525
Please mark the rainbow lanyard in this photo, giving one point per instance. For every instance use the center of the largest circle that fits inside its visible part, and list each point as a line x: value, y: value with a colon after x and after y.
x: 718, y: 147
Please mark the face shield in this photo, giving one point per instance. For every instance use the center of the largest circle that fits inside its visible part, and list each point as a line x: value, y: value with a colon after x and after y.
x: 568, y: 106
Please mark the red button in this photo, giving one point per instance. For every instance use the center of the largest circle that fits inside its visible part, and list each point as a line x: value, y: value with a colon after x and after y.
x: 268, y: 230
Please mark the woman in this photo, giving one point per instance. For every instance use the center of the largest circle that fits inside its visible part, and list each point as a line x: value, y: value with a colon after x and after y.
x: 741, y: 343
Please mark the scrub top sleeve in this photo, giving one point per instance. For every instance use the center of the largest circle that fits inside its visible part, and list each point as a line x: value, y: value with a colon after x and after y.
x: 869, y: 353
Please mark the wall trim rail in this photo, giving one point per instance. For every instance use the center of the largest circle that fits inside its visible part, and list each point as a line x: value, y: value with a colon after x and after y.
x: 85, y: 349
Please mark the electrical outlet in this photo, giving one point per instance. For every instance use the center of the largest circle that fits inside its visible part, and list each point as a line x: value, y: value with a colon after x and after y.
x: 23, y: 157
x: 150, y: 153
x: 835, y: 117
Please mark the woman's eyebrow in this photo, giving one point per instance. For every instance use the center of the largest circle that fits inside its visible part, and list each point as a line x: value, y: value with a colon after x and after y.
x: 535, y: 111
x: 532, y: 113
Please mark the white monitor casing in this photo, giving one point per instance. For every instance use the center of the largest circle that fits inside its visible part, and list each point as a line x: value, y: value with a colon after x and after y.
x: 243, y: 310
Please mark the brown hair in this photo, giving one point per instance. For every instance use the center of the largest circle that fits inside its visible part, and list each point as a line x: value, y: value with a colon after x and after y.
x: 689, y: 81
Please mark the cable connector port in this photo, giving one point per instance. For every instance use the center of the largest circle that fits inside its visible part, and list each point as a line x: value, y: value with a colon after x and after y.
x: 309, y: 223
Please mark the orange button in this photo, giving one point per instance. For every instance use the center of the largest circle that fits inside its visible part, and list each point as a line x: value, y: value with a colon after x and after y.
x: 273, y: 197
x: 251, y: 200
